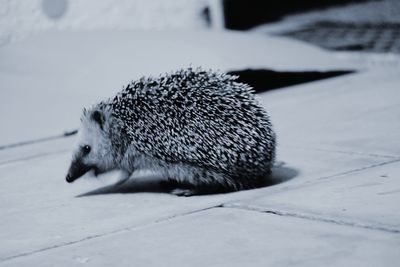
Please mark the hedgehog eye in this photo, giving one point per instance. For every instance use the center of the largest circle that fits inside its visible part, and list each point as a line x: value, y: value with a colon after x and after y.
x: 86, y: 149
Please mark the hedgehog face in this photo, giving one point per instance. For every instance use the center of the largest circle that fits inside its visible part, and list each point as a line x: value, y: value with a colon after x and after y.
x: 93, y: 150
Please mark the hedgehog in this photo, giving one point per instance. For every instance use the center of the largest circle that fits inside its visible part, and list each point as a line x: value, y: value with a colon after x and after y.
x: 201, y: 130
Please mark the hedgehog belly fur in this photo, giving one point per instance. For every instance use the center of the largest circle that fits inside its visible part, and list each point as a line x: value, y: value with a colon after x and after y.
x: 182, y: 173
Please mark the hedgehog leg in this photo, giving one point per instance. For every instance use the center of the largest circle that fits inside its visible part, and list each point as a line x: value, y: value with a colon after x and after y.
x: 181, y: 188
x: 171, y: 184
x: 184, y: 192
x: 125, y: 176
x: 213, y: 182
x: 199, y: 181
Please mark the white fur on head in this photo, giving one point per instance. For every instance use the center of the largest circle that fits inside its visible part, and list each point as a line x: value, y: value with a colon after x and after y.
x: 95, y: 133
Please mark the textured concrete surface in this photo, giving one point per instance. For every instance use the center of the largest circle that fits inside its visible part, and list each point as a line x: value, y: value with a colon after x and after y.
x: 227, y: 237
x: 336, y: 192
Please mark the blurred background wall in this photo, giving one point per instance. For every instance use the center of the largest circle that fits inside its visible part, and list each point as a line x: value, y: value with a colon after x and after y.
x: 20, y: 18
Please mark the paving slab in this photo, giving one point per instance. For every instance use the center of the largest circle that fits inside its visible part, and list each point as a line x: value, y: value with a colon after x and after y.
x: 40, y: 210
x: 357, y: 113
x: 367, y: 198
x: 35, y: 149
x: 226, y: 237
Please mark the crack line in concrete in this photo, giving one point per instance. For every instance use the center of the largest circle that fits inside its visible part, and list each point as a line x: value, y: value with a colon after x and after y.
x: 39, y: 155
x: 351, y: 153
x: 313, y: 218
x: 40, y: 140
x: 360, y: 169
x: 322, y: 179
x: 116, y: 231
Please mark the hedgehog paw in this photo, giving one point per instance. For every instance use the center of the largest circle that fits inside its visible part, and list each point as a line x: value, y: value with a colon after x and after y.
x: 121, y: 182
x: 183, y: 192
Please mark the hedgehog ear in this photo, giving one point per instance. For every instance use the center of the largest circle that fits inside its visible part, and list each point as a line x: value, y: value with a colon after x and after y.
x: 98, y: 117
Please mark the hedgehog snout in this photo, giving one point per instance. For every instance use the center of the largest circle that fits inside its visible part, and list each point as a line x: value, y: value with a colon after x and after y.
x: 76, y: 170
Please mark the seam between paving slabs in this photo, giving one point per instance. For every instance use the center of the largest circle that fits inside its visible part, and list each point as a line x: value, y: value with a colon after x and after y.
x: 311, y: 217
x: 351, y: 153
x: 322, y: 179
x: 106, y: 234
x: 39, y: 155
x: 40, y: 140
x: 360, y: 169
x: 225, y: 206
x: 5, y: 148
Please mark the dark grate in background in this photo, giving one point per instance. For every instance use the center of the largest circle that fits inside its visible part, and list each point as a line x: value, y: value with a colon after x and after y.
x: 341, y: 36
x: 243, y: 15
